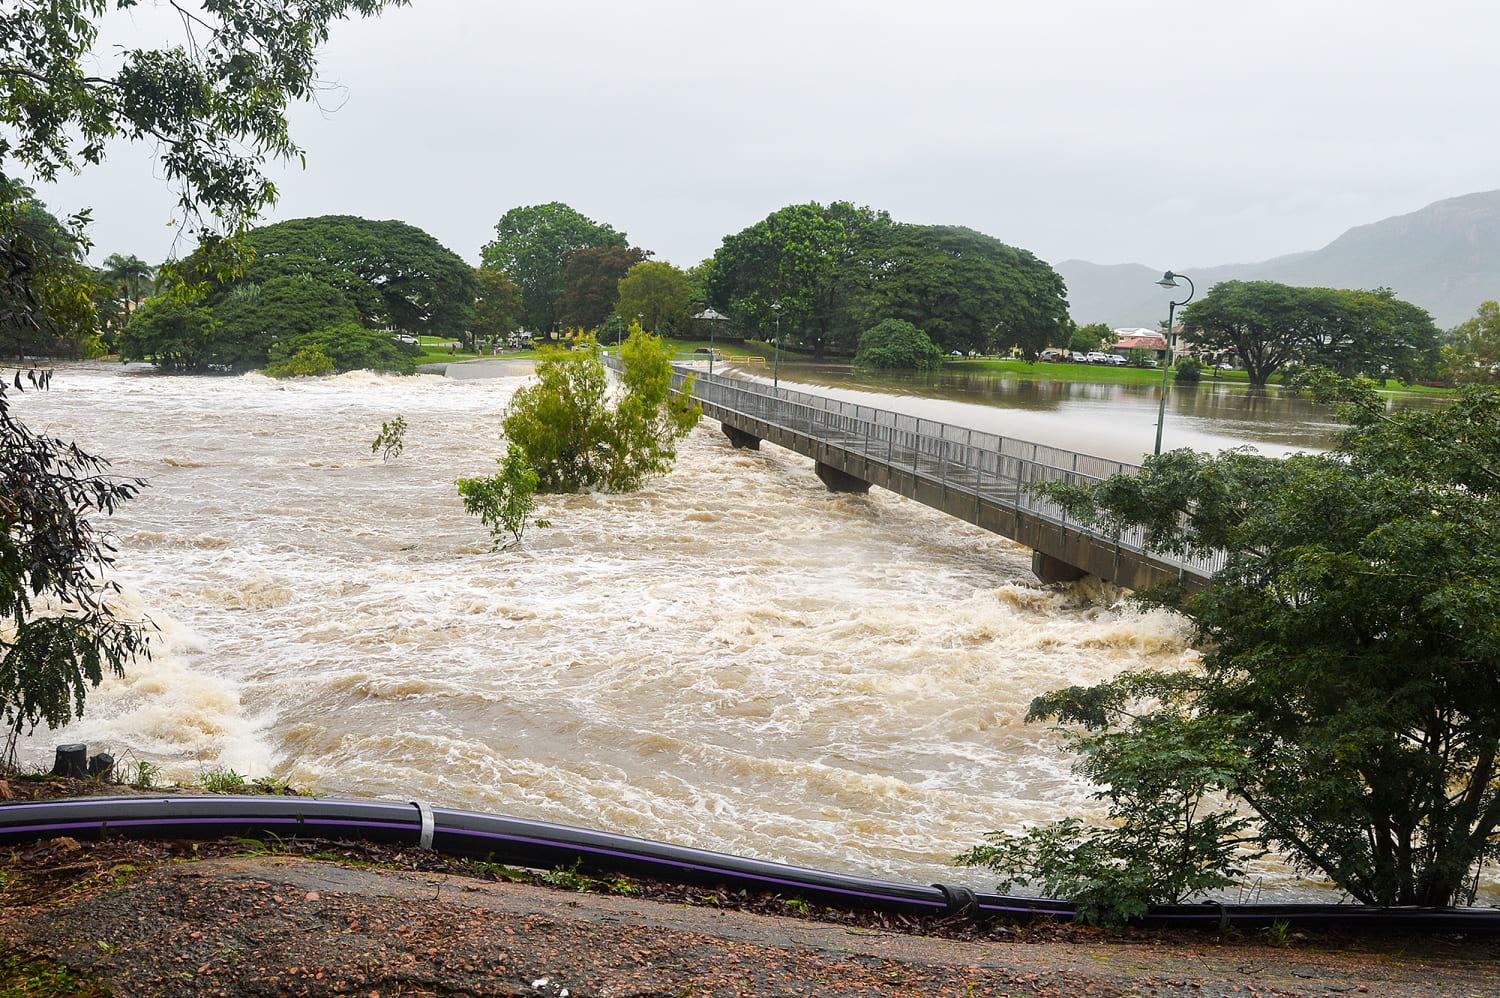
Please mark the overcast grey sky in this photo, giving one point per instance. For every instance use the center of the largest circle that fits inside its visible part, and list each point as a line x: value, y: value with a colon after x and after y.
x: 1167, y: 133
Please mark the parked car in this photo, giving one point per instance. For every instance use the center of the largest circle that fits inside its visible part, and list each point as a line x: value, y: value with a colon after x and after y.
x: 1100, y: 358
x: 1077, y: 358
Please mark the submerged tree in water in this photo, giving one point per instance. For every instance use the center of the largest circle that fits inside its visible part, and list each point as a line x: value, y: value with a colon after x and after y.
x: 566, y: 434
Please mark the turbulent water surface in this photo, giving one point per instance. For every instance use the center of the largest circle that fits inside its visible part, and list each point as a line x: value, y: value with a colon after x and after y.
x: 733, y: 658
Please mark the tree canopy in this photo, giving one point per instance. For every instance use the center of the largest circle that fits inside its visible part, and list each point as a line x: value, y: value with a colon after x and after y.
x: 968, y: 291
x: 1348, y: 700
x: 803, y: 258
x: 659, y: 293
x: 1270, y: 326
x: 214, y: 104
x: 1474, y: 355
x: 838, y: 269
x: 48, y: 298
x: 592, y: 280
x: 395, y: 275
x: 532, y: 246
x: 307, y: 276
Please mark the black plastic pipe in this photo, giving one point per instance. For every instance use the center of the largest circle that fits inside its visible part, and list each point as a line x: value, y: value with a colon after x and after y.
x: 544, y: 845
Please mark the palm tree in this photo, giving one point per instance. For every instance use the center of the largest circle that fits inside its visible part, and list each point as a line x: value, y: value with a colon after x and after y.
x: 126, y: 274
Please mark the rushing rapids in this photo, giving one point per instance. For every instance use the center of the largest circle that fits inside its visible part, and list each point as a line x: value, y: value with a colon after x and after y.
x: 733, y: 658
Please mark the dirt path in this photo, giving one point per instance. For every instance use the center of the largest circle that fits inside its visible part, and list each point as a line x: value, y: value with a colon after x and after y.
x: 290, y: 926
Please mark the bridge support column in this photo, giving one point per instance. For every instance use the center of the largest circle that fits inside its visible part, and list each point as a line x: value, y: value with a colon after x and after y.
x: 1052, y: 570
x: 840, y: 481
x: 739, y: 439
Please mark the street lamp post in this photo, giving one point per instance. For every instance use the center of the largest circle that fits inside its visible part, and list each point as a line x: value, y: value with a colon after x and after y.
x: 713, y: 318
x: 776, y: 365
x: 1169, y: 280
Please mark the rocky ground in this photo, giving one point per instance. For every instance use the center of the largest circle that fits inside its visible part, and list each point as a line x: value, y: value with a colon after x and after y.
x: 349, y: 918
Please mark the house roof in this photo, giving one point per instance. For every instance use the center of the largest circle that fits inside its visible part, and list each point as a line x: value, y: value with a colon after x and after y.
x: 1141, y: 343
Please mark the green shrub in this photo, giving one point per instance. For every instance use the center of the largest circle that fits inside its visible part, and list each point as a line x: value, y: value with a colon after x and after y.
x: 897, y: 345
x: 348, y: 346
x: 1187, y: 371
x: 309, y: 362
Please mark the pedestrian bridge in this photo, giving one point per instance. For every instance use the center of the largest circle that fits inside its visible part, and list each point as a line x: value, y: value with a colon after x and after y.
x: 976, y: 476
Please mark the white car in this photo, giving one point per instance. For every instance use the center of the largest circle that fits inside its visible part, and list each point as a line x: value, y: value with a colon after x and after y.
x: 1100, y: 358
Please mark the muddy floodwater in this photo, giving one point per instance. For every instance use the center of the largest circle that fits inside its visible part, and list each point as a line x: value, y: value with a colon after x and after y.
x: 733, y: 658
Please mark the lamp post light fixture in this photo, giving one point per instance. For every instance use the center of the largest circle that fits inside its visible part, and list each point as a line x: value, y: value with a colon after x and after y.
x: 1169, y: 280
x: 776, y: 365
x: 713, y: 318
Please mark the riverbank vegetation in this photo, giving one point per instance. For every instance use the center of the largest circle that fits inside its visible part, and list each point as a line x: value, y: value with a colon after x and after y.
x: 1346, y: 714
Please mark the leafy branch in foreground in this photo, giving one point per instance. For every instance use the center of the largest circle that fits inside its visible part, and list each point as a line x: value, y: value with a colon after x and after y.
x: 1347, y: 703
x: 60, y: 633
x: 1169, y: 836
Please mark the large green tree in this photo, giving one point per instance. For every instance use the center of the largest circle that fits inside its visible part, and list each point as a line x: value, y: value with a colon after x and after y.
x: 176, y: 333
x: 592, y: 280
x: 1348, y: 698
x: 966, y: 290
x: 532, y: 246
x: 1474, y: 355
x: 897, y: 345
x: 811, y: 260
x: 838, y: 269
x: 1270, y: 326
x: 395, y: 275
x: 658, y: 292
x: 312, y: 274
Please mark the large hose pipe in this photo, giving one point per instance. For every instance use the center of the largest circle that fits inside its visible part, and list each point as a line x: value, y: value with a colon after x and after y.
x: 543, y: 845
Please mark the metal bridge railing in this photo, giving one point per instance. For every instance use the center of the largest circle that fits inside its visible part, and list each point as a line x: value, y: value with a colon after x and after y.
x: 975, y: 462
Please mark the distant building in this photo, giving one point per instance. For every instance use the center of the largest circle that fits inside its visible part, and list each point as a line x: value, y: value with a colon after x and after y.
x: 1140, y: 339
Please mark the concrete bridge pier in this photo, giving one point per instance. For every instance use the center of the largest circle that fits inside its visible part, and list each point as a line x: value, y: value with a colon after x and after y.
x: 739, y: 439
x: 840, y: 481
x: 1052, y: 570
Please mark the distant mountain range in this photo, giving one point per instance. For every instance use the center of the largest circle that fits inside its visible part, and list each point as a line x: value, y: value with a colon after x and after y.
x: 1445, y: 258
